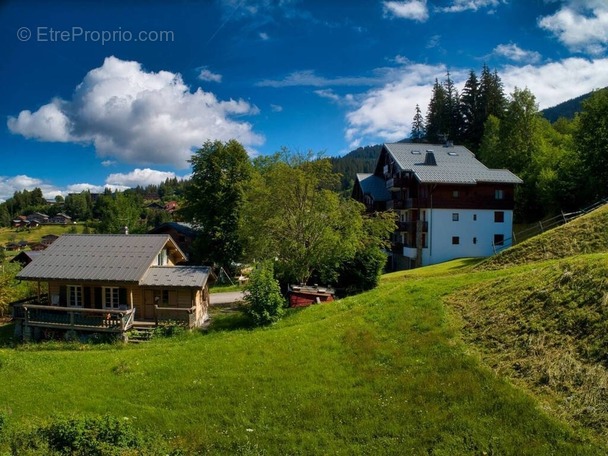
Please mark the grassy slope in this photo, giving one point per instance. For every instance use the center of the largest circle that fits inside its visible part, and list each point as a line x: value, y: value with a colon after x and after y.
x: 587, y: 234
x: 35, y: 234
x: 381, y: 373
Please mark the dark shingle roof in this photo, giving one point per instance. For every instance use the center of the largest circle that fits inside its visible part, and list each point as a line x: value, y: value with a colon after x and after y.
x: 374, y: 186
x: 97, y: 257
x: 178, y: 276
x: 454, y: 165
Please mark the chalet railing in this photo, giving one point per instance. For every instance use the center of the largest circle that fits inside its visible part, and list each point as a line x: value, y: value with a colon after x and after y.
x: 80, y: 319
x: 412, y: 226
x: 185, y: 315
x: 406, y: 203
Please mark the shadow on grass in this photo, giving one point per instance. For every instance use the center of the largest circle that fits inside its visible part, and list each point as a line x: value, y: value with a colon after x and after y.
x: 229, y: 319
x: 7, y: 332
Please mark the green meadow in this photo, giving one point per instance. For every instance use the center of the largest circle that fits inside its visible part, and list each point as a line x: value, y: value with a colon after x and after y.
x: 501, y: 357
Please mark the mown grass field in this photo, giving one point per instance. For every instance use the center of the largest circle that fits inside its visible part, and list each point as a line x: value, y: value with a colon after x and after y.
x: 391, y: 371
x: 35, y: 234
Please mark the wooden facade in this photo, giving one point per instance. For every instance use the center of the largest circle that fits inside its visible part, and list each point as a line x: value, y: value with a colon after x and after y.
x: 154, y: 288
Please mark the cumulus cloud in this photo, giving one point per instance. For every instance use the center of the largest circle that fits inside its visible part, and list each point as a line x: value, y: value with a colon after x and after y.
x: 415, y: 10
x: 138, y: 176
x: 276, y: 108
x: 458, y: 6
x: 385, y: 113
x: 209, y: 76
x: 116, y: 181
x: 140, y: 117
x: 580, y: 25
x: 514, y: 52
x: 10, y: 185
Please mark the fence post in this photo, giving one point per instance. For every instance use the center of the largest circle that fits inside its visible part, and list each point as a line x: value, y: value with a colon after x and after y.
x: 542, y: 230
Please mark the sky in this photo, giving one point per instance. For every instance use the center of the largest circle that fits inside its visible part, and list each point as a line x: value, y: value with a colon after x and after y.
x: 121, y: 93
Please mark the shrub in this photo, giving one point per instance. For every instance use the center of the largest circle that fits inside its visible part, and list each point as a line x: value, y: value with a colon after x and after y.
x: 263, y: 294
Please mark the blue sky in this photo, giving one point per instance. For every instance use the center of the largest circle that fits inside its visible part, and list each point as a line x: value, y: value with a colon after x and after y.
x: 118, y: 94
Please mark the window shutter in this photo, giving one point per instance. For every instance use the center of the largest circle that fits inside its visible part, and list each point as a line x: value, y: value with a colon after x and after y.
x: 87, y: 297
x: 98, y: 300
x: 122, y: 297
x: 63, y: 295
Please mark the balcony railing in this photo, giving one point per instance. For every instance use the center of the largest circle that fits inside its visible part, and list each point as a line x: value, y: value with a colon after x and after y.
x: 410, y: 252
x: 395, y: 183
x: 412, y: 226
x: 183, y: 315
x: 79, y: 319
x: 401, y: 204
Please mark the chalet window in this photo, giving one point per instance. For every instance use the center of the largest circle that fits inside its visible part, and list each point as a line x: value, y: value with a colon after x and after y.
x: 499, y: 194
x: 499, y: 239
x: 111, y: 297
x: 455, y: 240
x: 474, y: 240
x: 455, y: 194
x: 74, y: 293
x: 499, y: 217
x: 161, y: 259
x: 474, y: 217
x: 161, y: 298
x: 455, y: 217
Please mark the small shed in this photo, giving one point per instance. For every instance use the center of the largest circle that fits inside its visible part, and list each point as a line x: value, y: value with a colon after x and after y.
x: 305, y: 295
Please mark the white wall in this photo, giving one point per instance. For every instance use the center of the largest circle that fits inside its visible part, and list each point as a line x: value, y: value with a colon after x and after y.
x: 442, y: 228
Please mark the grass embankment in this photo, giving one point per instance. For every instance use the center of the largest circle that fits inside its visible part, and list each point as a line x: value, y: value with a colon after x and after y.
x: 384, y: 372
x: 585, y: 235
x: 545, y: 327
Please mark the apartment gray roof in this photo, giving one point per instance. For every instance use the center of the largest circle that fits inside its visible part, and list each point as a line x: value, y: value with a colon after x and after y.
x: 180, y: 276
x: 97, y: 257
x: 454, y: 165
x: 374, y: 186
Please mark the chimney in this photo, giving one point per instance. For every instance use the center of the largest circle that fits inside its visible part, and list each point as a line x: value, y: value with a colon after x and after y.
x: 126, y: 229
x: 429, y: 159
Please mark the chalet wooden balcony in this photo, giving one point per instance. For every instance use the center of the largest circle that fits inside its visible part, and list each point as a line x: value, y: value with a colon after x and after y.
x: 395, y: 183
x: 34, y: 312
x: 401, y: 204
x: 412, y: 226
x: 185, y: 316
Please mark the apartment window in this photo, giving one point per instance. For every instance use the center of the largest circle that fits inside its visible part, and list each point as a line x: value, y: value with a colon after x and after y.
x: 499, y: 217
x: 499, y: 239
x: 474, y: 217
x: 111, y: 297
x: 474, y: 240
x: 74, y: 295
x: 455, y: 240
x: 455, y: 217
x: 499, y: 194
x: 455, y: 194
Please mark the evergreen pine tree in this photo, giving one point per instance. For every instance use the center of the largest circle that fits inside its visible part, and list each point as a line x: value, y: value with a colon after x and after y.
x: 417, y: 134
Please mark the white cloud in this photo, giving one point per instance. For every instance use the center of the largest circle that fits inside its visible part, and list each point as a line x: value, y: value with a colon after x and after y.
x: 108, y: 163
x: 116, y: 181
x: 555, y: 82
x: 138, y: 176
x: 264, y: 36
x: 580, y: 25
x: 10, y: 185
x: 207, y: 75
x: 138, y: 117
x: 385, y: 113
x: 310, y: 78
x: 514, y: 52
x: 276, y: 108
x: 332, y: 96
x: 415, y: 10
x: 458, y: 6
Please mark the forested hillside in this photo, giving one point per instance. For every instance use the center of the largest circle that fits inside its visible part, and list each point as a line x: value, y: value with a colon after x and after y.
x: 567, y: 109
x: 360, y: 160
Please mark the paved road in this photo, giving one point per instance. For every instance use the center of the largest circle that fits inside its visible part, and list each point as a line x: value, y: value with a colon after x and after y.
x: 226, y: 298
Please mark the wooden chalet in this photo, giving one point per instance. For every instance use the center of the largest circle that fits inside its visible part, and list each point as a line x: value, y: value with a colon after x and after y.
x: 111, y: 283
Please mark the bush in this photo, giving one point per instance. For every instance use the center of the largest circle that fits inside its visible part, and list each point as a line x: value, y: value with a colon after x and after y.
x: 263, y: 294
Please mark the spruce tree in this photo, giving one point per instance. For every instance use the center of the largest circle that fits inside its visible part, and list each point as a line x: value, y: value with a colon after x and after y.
x: 417, y: 134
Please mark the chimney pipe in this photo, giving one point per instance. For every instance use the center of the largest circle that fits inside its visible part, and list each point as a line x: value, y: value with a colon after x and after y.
x: 429, y: 159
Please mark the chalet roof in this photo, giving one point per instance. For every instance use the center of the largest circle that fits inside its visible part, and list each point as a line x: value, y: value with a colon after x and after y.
x: 452, y: 164
x: 182, y: 276
x: 374, y: 186
x: 98, y: 257
x: 187, y: 229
